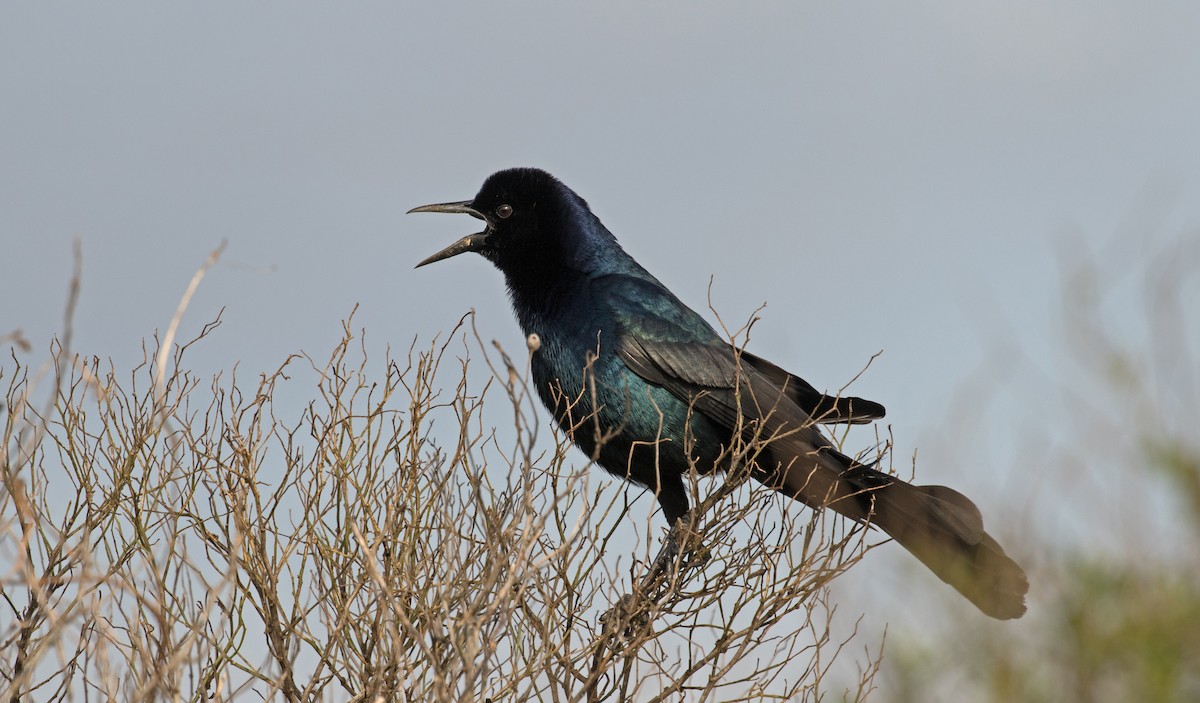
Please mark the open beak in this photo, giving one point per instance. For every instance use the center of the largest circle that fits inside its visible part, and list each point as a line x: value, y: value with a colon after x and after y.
x: 471, y: 242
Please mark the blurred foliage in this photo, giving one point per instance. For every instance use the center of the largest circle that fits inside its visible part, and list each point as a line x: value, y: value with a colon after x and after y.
x: 1115, y: 617
x: 1125, y: 630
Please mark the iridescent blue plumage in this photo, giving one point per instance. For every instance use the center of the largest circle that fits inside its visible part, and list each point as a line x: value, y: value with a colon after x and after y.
x: 648, y: 389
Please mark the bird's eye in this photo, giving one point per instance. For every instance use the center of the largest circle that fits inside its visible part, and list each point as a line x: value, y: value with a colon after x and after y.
x: 504, y: 212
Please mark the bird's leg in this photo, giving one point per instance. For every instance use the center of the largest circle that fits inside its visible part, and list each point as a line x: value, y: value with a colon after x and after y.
x: 630, y: 611
x: 678, y: 536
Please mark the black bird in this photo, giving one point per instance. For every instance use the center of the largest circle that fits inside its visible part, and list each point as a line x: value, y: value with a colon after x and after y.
x: 666, y: 385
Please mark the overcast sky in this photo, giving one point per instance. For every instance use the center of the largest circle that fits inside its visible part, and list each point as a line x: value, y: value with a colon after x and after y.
x: 906, y: 177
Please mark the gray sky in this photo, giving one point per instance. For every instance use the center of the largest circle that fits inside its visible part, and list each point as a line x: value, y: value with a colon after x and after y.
x: 902, y: 177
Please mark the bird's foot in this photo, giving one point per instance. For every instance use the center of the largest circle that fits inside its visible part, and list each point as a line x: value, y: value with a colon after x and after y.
x: 629, y: 615
x: 682, y: 547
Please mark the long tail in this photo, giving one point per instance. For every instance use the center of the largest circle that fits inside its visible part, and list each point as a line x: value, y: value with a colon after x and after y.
x: 944, y: 529
x: 939, y: 525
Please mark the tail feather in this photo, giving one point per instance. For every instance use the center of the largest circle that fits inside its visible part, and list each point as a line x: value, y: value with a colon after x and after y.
x: 944, y: 529
x: 939, y: 525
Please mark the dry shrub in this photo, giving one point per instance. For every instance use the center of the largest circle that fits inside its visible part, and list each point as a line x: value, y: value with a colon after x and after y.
x: 168, y: 538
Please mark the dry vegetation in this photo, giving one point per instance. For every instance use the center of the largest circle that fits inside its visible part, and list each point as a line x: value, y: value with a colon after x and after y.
x: 167, y: 537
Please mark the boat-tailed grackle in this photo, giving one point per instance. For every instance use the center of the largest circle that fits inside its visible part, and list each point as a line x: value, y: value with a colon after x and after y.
x: 647, y: 388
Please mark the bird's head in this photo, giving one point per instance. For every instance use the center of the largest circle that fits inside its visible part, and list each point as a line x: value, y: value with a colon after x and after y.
x: 529, y: 218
